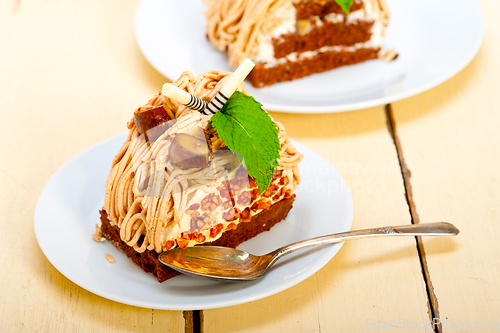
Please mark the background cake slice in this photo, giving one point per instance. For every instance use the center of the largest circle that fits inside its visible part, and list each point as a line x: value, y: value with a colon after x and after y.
x: 176, y: 183
x: 290, y: 39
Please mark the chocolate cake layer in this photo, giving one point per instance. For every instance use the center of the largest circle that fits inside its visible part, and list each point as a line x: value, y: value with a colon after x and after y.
x: 149, y: 262
x: 329, y: 34
x: 262, y: 76
x: 306, y: 9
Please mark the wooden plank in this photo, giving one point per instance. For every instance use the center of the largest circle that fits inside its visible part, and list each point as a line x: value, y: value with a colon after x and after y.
x: 71, y: 75
x: 369, y: 283
x: 451, y: 143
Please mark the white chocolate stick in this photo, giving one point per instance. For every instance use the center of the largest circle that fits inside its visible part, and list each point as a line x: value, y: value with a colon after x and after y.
x: 230, y: 87
x: 237, y: 77
x: 183, y: 97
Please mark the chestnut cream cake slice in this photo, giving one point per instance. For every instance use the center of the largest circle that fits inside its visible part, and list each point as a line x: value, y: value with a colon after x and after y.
x: 185, y: 176
x: 290, y: 39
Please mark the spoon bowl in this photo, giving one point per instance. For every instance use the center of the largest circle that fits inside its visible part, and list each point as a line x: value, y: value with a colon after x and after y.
x: 228, y: 264
x: 217, y: 262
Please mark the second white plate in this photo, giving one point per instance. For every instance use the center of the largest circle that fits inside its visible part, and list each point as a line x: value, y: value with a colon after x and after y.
x: 434, y: 39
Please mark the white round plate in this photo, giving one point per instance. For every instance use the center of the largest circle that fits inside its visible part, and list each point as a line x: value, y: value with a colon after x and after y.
x: 434, y: 40
x: 68, y: 209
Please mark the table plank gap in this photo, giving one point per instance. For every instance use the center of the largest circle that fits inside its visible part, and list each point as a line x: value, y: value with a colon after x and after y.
x: 198, y: 321
x: 432, y: 304
x: 188, y: 318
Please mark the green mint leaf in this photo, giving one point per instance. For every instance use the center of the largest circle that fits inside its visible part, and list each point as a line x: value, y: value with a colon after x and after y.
x: 246, y: 128
x: 345, y: 4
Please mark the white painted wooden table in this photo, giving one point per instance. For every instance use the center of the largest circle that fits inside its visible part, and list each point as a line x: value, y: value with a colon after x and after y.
x: 71, y: 75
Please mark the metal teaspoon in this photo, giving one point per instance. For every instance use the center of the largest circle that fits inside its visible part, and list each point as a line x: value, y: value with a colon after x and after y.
x: 228, y: 264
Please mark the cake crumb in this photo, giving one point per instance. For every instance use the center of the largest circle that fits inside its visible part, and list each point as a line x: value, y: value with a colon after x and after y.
x: 110, y: 258
x: 389, y: 56
x: 97, y: 236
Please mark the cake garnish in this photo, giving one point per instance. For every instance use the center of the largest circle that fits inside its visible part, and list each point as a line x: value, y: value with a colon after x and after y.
x: 234, y: 81
x: 151, y: 122
x: 249, y: 131
x: 183, y: 97
x: 345, y: 5
x: 214, y: 106
x: 188, y: 151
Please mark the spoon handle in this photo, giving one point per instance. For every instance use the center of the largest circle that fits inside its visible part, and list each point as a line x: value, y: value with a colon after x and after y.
x: 424, y: 229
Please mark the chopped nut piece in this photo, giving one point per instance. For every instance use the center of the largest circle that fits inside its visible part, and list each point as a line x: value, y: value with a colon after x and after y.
x: 244, y: 198
x: 188, y: 151
x: 245, y: 215
x: 194, y: 206
x: 229, y: 215
x: 389, y: 55
x: 97, y: 236
x: 182, y: 243
x: 261, y: 204
x: 304, y: 27
x: 169, y: 244
x: 216, y: 230
x: 110, y: 258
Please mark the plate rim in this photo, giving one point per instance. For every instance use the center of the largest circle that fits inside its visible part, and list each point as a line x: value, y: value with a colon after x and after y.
x: 38, y: 223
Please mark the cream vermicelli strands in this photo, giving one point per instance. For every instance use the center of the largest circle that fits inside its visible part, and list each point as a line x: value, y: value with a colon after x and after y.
x: 222, y: 19
x: 237, y: 25
x: 125, y: 229
x: 135, y: 228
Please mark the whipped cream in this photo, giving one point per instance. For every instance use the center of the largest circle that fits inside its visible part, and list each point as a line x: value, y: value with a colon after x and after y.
x: 287, y: 16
